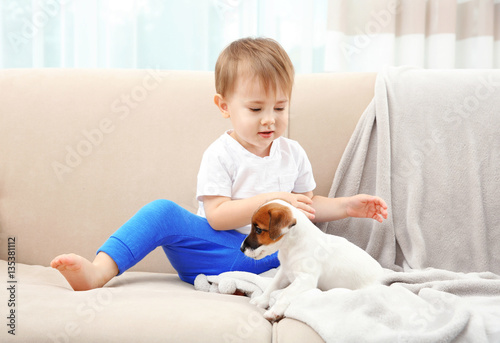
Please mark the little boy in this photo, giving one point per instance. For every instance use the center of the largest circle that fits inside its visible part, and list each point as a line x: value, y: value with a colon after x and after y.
x: 246, y: 167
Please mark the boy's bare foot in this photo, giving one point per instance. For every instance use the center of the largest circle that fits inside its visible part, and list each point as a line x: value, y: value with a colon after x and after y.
x: 82, y: 274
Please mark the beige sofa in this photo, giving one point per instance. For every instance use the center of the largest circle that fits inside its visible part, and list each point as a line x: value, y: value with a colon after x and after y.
x: 82, y: 150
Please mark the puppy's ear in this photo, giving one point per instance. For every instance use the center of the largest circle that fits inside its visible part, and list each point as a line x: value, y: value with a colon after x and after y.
x: 279, y: 218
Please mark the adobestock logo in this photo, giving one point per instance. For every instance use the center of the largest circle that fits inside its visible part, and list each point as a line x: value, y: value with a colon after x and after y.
x: 86, y: 312
x: 245, y: 329
x: 380, y: 20
x: 92, y: 138
x: 39, y: 18
x: 486, y: 87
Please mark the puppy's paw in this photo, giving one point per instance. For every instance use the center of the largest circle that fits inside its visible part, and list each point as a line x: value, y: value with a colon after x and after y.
x: 272, y: 316
x: 276, y: 312
x: 261, y: 301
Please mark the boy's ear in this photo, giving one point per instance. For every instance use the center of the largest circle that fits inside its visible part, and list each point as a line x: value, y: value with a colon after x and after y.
x: 221, y: 104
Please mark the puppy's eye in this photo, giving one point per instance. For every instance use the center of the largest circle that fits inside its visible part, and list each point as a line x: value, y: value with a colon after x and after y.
x: 258, y: 230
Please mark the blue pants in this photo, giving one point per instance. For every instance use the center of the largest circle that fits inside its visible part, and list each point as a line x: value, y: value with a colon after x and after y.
x: 189, y: 242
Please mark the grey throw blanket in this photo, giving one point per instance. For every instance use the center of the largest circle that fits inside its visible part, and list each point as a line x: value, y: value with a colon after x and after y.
x: 429, y: 145
x: 422, y: 306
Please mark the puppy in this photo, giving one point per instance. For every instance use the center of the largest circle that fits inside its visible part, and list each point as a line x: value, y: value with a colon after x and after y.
x: 309, y: 258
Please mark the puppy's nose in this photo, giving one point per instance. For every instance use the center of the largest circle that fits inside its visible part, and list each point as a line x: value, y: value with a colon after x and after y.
x: 243, y: 246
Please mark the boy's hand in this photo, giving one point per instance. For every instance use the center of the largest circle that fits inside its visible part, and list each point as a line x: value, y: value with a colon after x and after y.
x: 366, y: 206
x: 303, y: 202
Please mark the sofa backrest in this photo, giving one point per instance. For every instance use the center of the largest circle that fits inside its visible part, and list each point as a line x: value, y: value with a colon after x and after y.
x: 82, y: 150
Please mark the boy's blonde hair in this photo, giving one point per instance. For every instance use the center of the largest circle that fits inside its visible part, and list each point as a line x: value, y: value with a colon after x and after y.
x: 261, y: 57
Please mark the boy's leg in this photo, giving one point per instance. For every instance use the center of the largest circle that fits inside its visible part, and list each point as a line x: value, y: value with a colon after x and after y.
x: 140, y: 235
x: 115, y: 256
x: 190, y: 243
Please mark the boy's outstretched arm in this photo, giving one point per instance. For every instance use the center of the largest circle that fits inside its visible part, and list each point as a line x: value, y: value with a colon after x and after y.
x: 358, y: 206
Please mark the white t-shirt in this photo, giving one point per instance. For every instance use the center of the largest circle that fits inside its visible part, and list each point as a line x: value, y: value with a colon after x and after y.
x: 228, y: 169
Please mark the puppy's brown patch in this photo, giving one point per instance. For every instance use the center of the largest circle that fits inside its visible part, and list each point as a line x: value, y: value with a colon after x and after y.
x: 271, y: 219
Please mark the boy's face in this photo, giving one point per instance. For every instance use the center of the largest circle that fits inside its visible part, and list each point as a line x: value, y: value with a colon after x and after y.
x: 257, y: 118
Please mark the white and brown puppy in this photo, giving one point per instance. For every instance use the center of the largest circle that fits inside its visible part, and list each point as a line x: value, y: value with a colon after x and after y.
x: 309, y: 258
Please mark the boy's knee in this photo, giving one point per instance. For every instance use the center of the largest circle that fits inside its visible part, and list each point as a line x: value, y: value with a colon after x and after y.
x: 162, y: 204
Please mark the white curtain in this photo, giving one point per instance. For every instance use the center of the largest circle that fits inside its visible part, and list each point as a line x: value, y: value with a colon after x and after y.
x: 319, y: 35
x: 169, y: 34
